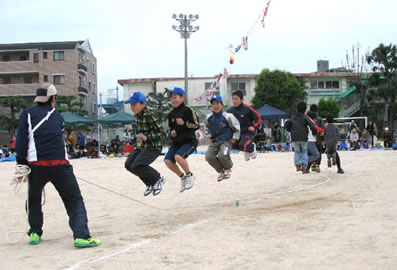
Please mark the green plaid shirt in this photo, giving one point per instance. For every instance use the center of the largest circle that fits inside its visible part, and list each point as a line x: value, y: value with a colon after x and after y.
x: 152, y: 128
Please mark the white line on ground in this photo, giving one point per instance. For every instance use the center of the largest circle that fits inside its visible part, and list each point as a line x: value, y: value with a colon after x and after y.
x: 134, y: 245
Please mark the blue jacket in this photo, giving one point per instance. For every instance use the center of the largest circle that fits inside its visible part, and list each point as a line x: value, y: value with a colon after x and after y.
x: 222, y: 126
x: 46, y: 143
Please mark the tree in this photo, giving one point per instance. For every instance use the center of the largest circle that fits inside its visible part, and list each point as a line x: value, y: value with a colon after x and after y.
x: 279, y: 89
x: 16, y: 104
x: 358, y: 66
x: 384, y: 59
x: 68, y: 104
x: 328, y: 107
x: 159, y: 103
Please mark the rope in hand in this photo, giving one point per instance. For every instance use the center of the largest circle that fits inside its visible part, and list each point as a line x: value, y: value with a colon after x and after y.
x: 21, y: 173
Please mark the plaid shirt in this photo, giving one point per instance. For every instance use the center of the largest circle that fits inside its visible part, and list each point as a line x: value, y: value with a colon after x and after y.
x: 151, y: 127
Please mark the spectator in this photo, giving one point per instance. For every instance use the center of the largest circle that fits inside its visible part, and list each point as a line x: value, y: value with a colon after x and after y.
x: 365, y: 138
x: 354, y: 140
x: 13, y: 143
x: 89, y: 137
x: 387, y: 138
x: 73, y: 138
x: 371, y: 127
x: 128, y: 148
x: 81, y: 139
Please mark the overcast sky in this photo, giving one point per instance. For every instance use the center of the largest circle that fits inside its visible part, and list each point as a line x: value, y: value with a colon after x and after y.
x: 134, y: 39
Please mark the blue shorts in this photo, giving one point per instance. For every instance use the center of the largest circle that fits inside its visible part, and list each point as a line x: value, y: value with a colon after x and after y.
x: 184, y: 151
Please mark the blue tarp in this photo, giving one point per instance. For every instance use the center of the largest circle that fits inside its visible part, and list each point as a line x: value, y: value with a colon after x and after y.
x: 269, y: 112
x: 10, y: 158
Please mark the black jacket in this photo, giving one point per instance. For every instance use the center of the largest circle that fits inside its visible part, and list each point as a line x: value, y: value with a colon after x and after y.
x: 297, y: 125
x: 186, y: 132
x: 247, y: 116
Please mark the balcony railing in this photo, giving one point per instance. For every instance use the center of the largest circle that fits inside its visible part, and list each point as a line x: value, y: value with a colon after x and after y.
x: 82, y: 90
x: 82, y: 68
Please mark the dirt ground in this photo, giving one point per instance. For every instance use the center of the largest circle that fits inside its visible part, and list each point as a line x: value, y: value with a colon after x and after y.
x: 266, y: 216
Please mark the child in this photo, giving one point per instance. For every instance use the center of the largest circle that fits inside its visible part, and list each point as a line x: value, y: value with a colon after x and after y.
x: 224, y: 129
x: 298, y: 126
x: 249, y: 120
x: 150, y: 136
x: 331, y: 140
x: 183, y: 123
x: 312, y: 151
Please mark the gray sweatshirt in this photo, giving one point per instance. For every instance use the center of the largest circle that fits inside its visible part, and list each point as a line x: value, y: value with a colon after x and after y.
x: 331, y: 134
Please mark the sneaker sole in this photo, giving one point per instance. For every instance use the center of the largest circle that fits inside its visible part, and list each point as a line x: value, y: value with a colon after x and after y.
x: 86, y: 246
x: 33, y: 243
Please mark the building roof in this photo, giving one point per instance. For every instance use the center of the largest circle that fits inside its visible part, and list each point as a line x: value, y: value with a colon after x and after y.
x: 63, y: 45
x: 146, y: 80
x: 324, y: 74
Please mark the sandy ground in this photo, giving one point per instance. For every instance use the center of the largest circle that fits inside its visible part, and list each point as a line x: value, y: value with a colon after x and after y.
x: 284, y: 220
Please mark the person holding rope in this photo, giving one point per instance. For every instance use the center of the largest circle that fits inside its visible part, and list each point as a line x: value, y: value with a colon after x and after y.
x: 150, y: 143
x: 40, y: 147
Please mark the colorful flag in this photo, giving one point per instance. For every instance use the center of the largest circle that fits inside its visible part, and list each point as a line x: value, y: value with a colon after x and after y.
x: 237, y: 48
x: 230, y: 48
x: 245, y: 43
x: 231, y: 61
x: 219, y: 77
x: 226, y: 73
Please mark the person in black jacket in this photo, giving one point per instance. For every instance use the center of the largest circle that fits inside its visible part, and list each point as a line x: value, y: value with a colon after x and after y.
x: 298, y: 126
x: 249, y: 120
x: 183, y: 123
x: 40, y: 146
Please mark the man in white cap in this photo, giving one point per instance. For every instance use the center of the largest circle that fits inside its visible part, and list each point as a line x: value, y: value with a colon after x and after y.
x: 40, y: 146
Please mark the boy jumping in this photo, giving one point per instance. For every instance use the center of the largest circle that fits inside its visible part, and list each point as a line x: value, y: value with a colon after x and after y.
x: 224, y: 129
x: 183, y: 123
x: 150, y: 143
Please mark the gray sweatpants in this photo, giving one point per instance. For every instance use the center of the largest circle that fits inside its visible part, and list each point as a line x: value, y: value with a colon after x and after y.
x: 218, y: 156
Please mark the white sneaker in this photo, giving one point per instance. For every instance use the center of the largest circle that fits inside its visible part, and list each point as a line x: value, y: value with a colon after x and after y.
x: 183, y: 181
x: 254, y: 153
x: 247, y: 156
x: 149, y: 189
x: 189, y: 181
x: 158, y: 186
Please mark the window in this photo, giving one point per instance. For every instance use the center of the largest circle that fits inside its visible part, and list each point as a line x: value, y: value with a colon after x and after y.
x: 35, y: 58
x: 59, y: 55
x: 207, y: 86
x: 94, y: 88
x: 6, y: 58
x: 45, y: 79
x: 27, y: 80
x: 44, y: 55
x: 239, y: 86
x: 328, y: 84
x: 335, y: 84
x: 93, y: 68
x: 93, y: 107
x: 59, y: 79
x: 24, y: 58
x: 313, y: 84
x: 89, y: 86
x: 321, y: 85
x: 7, y: 80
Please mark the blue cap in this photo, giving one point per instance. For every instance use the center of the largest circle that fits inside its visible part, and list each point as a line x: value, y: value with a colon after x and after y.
x: 217, y: 98
x: 178, y: 91
x: 136, y: 97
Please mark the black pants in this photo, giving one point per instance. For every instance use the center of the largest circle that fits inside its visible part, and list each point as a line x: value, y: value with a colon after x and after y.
x: 138, y: 163
x: 63, y: 179
x: 245, y: 143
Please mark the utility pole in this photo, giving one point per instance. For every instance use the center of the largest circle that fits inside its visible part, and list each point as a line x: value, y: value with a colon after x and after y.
x: 185, y: 28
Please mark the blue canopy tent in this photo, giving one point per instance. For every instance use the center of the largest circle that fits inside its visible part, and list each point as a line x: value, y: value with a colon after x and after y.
x: 269, y: 112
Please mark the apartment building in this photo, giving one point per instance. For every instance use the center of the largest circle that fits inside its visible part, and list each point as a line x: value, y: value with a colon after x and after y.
x: 71, y: 66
